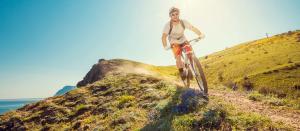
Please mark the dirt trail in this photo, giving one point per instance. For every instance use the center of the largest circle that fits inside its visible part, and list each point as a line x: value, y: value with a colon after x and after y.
x: 288, y: 116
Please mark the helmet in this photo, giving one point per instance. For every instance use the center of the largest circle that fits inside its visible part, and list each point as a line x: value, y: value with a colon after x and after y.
x: 173, y: 9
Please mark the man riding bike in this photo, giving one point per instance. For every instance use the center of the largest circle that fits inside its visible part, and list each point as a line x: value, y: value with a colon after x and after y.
x: 174, y: 30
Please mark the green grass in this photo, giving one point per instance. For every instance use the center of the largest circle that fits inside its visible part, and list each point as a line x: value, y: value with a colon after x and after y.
x: 273, y: 100
x: 184, y: 122
x: 80, y: 106
x: 269, y: 62
x: 125, y: 99
x: 255, y: 96
x: 145, y: 113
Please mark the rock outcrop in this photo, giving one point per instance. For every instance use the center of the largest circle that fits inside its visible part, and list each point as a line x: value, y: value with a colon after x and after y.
x: 97, y: 72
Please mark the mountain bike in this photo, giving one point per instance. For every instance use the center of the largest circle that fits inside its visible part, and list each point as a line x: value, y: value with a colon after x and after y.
x: 193, y: 67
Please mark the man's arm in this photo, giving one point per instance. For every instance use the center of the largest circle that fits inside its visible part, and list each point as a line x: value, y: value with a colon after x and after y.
x: 197, y: 31
x: 164, y: 40
x: 192, y: 28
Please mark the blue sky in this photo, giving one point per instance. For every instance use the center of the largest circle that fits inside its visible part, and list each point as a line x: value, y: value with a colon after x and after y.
x: 47, y: 44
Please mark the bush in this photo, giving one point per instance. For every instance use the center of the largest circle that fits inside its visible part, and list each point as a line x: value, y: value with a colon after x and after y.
x: 255, y: 96
x: 247, y: 84
x: 268, y: 91
x: 264, y: 90
x: 125, y: 99
x: 214, y: 117
x: 296, y: 87
x: 206, y: 66
x: 276, y: 102
x: 183, y: 123
x: 191, y: 100
x: 80, y: 106
x: 220, y: 76
x: 252, y: 121
x: 232, y: 85
x: 290, y: 60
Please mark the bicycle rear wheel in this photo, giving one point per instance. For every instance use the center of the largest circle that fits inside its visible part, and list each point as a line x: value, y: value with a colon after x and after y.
x: 199, y: 75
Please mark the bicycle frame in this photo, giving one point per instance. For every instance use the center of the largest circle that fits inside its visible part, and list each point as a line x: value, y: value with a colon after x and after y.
x: 191, y: 66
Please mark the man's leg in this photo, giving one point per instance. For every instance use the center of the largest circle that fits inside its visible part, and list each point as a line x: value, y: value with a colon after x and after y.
x: 189, y: 50
x: 177, y: 54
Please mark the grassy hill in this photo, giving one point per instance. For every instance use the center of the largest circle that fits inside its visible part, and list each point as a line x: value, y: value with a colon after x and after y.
x: 269, y: 65
x: 127, y: 95
x: 137, y: 98
x: 114, y: 95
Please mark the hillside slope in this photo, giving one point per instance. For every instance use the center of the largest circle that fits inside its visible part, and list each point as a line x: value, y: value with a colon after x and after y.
x: 269, y: 65
x: 128, y: 100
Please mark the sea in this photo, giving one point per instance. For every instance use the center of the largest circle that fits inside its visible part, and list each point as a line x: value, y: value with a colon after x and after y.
x: 7, y: 105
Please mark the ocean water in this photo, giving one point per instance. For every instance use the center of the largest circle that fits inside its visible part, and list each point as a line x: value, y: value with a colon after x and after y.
x: 13, y: 104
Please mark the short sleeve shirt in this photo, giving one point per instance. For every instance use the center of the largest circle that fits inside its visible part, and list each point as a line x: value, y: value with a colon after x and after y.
x: 177, y: 33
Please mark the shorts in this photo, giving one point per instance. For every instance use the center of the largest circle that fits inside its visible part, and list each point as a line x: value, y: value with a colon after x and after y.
x: 177, y: 49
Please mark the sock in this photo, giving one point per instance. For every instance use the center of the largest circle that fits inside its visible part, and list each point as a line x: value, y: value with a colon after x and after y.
x: 180, y: 69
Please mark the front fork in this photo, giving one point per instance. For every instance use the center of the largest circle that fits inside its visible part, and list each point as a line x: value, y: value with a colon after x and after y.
x: 187, y: 62
x: 188, y: 65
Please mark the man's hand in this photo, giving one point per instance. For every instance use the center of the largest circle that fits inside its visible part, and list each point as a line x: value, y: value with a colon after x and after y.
x: 202, y: 36
x: 167, y: 47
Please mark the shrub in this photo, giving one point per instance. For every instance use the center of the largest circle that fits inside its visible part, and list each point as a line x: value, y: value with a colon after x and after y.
x: 252, y: 121
x: 276, y: 102
x: 183, y: 123
x: 79, y: 110
x: 214, y: 117
x: 255, y: 96
x: 247, y: 84
x: 296, y: 87
x: 125, y: 99
x: 268, y: 90
x: 290, y: 60
x: 264, y: 90
x: 206, y: 66
x: 232, y: 85
x: 220, y: 76
x: 79, y: 107
x: 160, y: 85
x: 191, y: 100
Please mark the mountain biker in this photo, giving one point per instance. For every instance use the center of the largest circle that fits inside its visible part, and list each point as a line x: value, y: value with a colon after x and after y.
x: 174, y: 30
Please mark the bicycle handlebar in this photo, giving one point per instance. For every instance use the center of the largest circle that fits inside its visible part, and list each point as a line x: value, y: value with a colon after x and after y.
x: 197, y: 39
x: 191, y: 41
x: 194, y: 40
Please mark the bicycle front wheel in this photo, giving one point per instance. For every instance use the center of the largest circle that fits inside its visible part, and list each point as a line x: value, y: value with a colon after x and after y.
x: 199, y: 75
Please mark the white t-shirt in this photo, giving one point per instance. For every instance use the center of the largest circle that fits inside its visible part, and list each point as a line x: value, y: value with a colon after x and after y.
x: 177, y: 33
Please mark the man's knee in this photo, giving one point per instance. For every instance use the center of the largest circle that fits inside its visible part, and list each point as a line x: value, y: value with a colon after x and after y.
x: 178, y: 58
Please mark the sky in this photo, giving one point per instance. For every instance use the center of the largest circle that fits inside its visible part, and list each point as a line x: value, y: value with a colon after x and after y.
x: 47, y: 44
